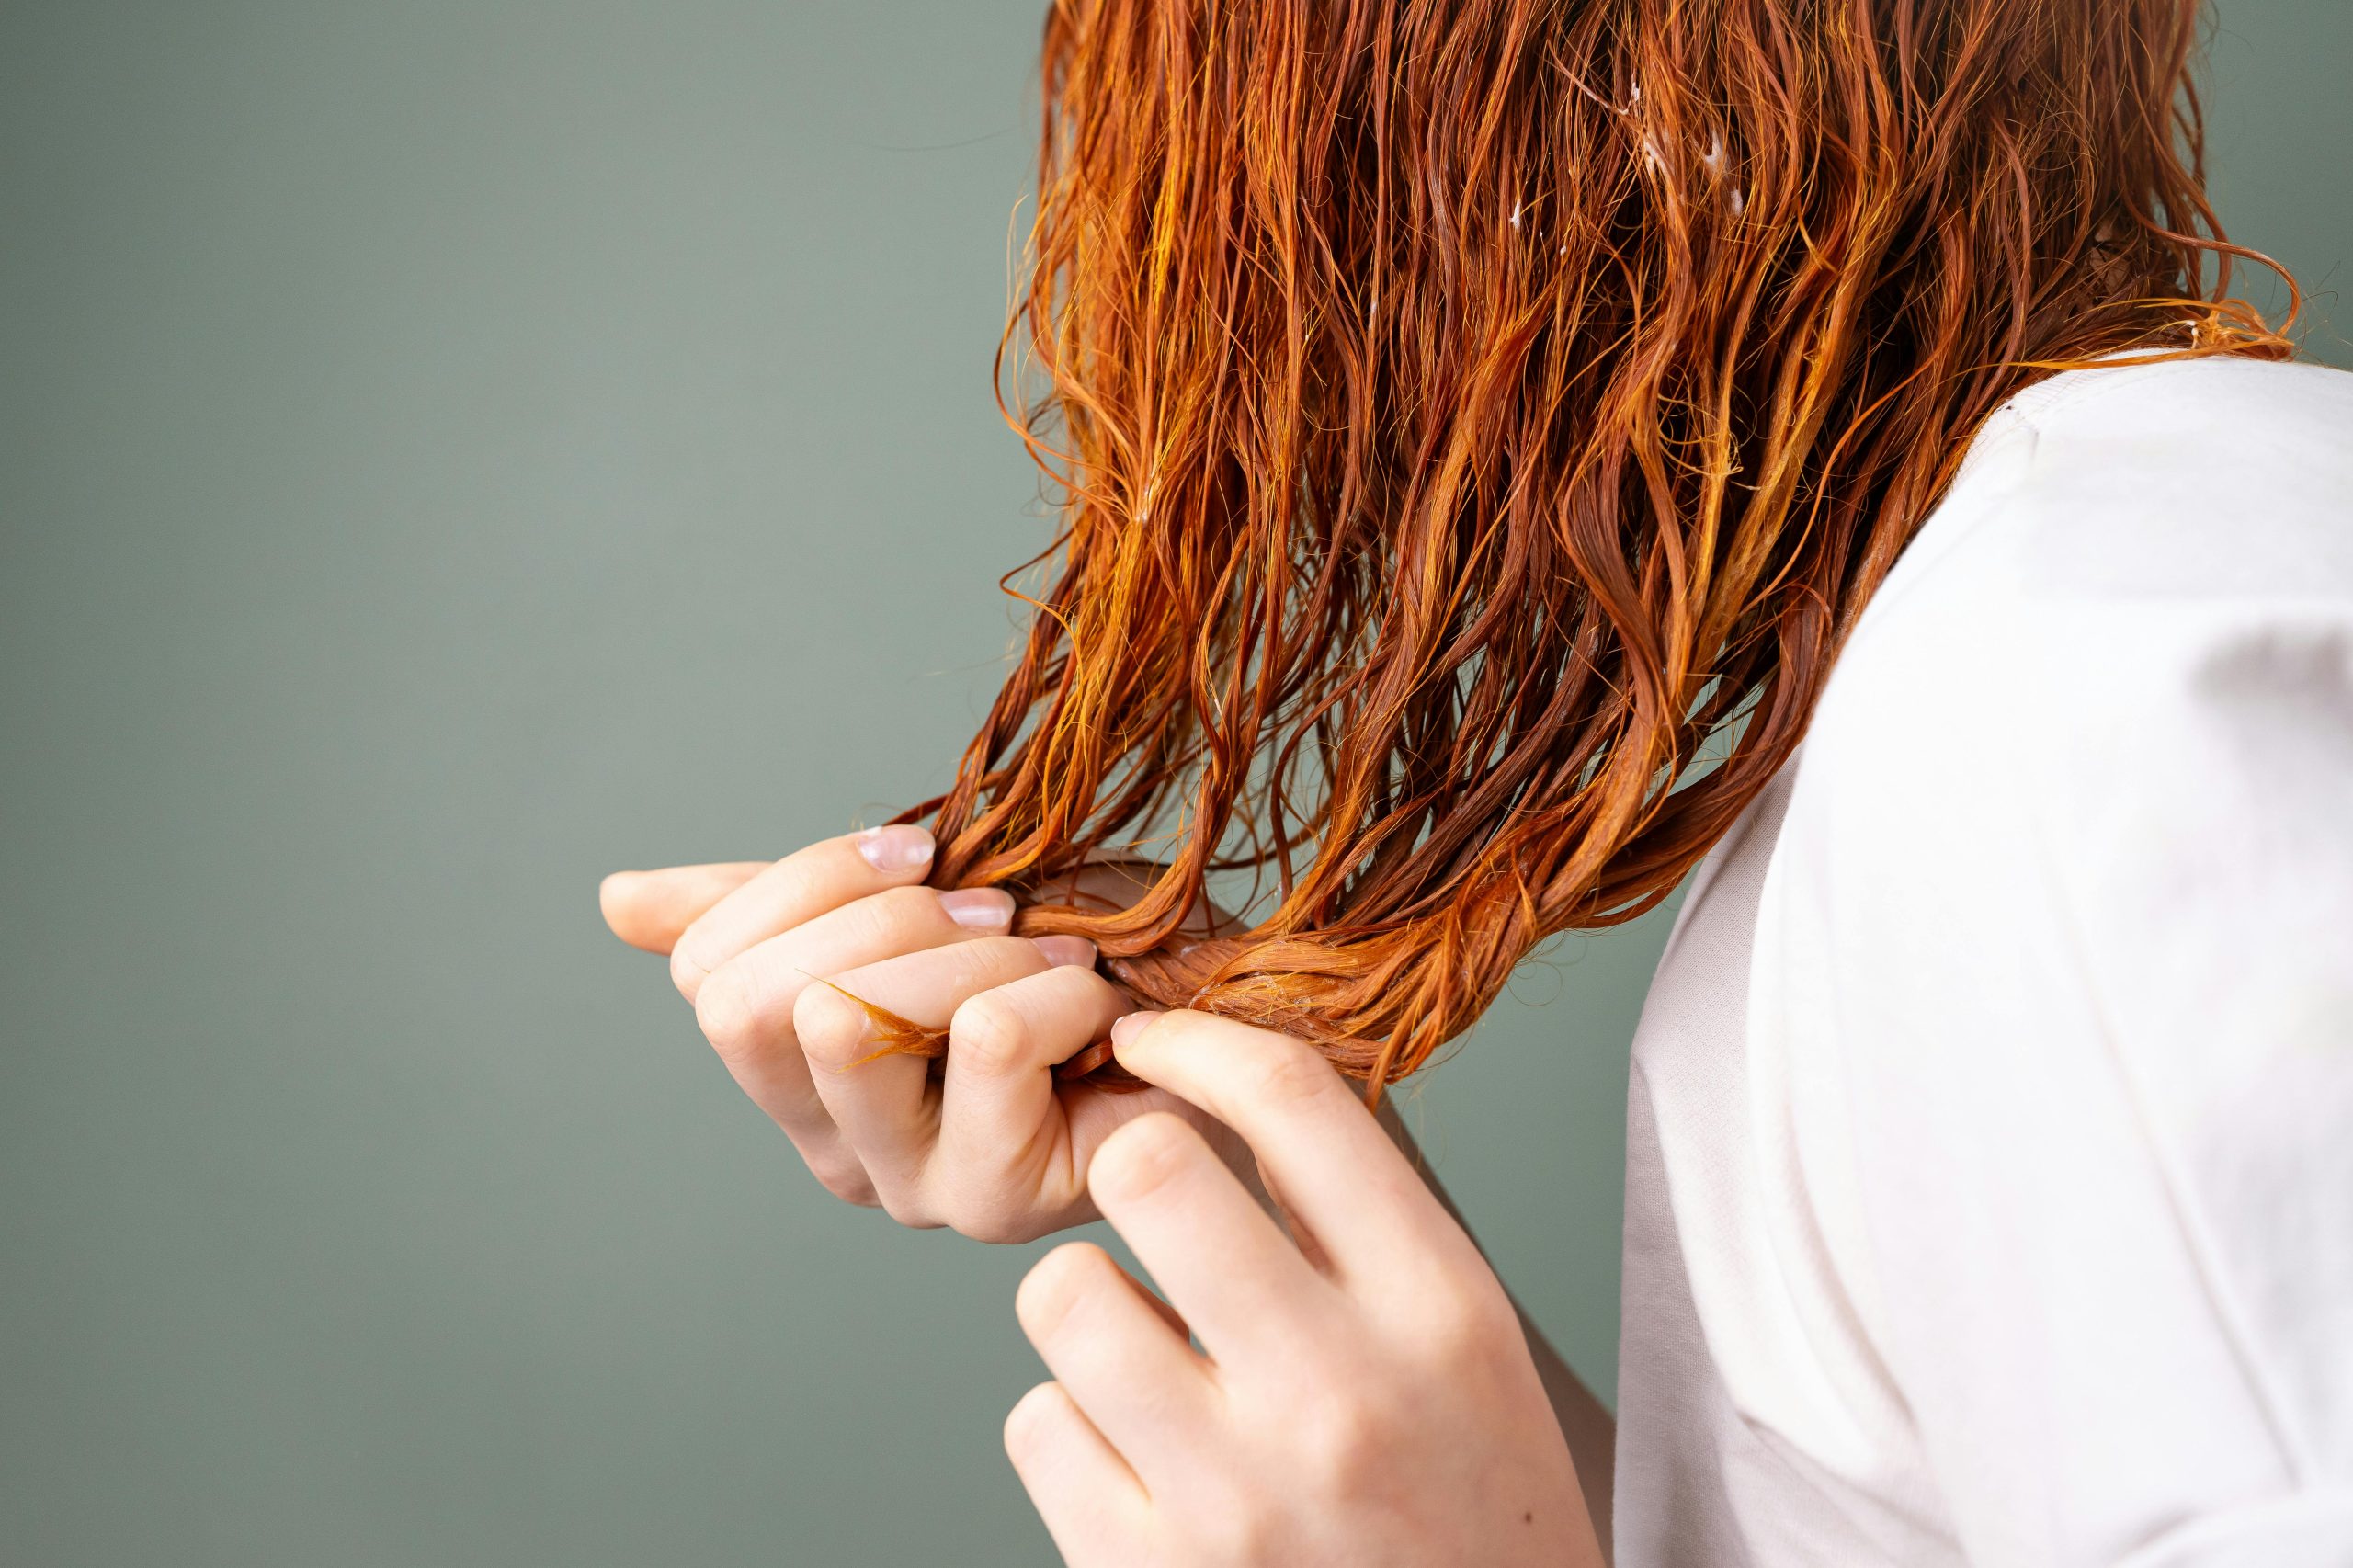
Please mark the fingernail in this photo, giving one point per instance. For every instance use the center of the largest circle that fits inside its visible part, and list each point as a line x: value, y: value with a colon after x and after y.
x: 902, y: 847
x: 1125, y: 1027
x: 981, y: 909
x: 1076, y: 951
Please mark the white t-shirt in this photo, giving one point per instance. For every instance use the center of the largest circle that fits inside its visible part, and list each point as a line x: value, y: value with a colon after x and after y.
x: 1990, y: 1170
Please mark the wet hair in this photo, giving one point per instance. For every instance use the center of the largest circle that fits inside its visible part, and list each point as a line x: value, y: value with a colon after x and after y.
x: 1475, y: 424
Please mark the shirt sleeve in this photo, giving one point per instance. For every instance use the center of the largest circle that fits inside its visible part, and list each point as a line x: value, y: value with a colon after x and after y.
x: 2070, y: 942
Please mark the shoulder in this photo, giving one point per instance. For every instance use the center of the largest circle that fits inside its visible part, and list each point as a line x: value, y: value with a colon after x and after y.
x: 2129, y: 555
x: 2088, y: 755
x: 2081, y: 774
x: 2055, y: 923
x: 2186, y: 482
x: 2189, y: 481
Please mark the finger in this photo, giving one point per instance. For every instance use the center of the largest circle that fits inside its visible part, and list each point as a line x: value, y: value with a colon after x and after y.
x: 1100, y: 1334
x: 886, y: 1106
x: 801, y: 886
x: 650, y: 909
x: 746, y: 1007
x: 1217, y: 1256
x: 1337, y: 1171
x: 1090, y: 1500
x: 997, y: 1105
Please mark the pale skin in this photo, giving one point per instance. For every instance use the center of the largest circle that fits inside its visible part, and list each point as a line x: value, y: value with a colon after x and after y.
x: 1363, y: 1390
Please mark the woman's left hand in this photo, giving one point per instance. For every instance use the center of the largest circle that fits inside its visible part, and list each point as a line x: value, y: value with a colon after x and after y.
x: 1363, y: 1393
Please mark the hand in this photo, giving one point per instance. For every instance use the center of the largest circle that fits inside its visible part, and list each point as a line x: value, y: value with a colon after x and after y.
x: 1364, y: 1395
x: 998, y: 1149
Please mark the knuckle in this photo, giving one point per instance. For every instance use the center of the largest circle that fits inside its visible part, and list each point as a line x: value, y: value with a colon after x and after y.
x: 1056, y: 1285
x: 1479, y: 1320
x: 988, y: 1032
x: 906, y: 1210
x: 986, y: 1217
x: 1459, y: 1319
x: 847, y: 1180
x: 829, y: 1026
x: 794, y: 882
x: 1237, y: 1525
x: 987, y: 1226
x: 1289, y: 1073
x: 727, y: 1011
x: 990, y: 961
x: 1142, y: 1157
x: 903, y: 911
x: 977, y: 965
x: 686, y: 970
x: 1345, y: 1447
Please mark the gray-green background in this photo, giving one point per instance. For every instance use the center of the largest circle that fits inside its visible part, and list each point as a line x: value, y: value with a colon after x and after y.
x: 451, y: 449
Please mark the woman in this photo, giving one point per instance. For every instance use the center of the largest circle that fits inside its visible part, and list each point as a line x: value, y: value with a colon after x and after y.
x: 1598, y: 437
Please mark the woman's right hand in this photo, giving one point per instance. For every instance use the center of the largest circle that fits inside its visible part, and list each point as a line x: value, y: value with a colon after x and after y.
x: 997, y: 1149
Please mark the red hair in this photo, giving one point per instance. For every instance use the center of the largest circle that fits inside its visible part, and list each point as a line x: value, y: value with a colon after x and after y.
x: 1476, y: 424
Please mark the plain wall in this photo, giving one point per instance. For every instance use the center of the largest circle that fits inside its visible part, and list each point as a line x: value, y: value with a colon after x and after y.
x: 449, y: 450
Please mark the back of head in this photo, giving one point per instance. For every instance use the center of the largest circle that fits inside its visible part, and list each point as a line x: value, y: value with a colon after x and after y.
x: 1477, y: 423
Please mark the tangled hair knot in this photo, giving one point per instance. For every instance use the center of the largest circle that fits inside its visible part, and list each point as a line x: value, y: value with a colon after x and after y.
x: 1476, y: 424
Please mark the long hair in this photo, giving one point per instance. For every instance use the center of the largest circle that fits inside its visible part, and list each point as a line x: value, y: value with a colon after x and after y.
x: 1476, y: 424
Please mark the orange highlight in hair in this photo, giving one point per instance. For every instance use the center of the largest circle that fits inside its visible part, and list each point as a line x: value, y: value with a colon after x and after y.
x: 1476, y: 426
